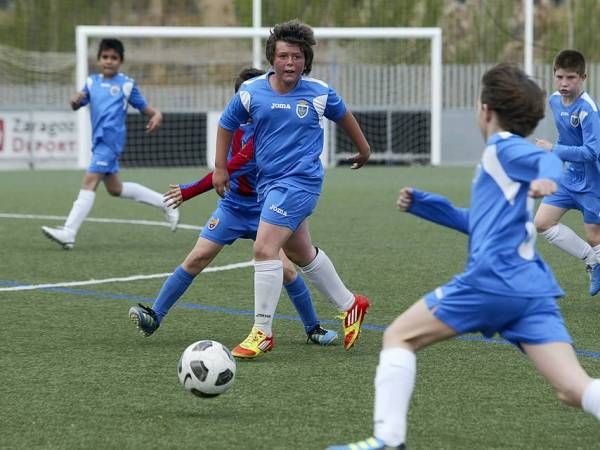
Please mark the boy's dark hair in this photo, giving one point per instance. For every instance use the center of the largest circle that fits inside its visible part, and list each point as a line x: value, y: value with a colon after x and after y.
x: 571, y: 60
x: 114, y: 44
x: 246, y: 74
x: 517, y: 100
x: 292, y: 32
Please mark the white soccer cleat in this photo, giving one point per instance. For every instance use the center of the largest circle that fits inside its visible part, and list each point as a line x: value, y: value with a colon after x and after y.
x: 61, y: 236
x: 172, y: 216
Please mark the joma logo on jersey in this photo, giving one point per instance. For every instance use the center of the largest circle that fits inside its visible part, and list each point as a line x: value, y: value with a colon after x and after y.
x: 212, y: 223
x: 280, y: 106
x: 302, y: 109
x: 281, y: 211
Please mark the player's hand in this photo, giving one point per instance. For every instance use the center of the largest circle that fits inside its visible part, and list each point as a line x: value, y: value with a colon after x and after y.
x: 173, y: 198
x: 543, y: 143
x: 76, y: 100
x: 220, y: 181
x: 154, y: 122
x: 359, y: 160
x: 541, y: 187
x: 405, y: 198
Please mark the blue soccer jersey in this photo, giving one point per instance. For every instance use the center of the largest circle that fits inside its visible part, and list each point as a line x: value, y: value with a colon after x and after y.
x: 502, y: 259
x: 288, y: 133
x: 108, y: 100
x: 578, y: 144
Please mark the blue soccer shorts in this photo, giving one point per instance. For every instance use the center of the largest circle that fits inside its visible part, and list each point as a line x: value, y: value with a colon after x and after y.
x: 588, y: 203
x: 226, y: 225
x: 104, y: 160
x: 516, y: 319
x: 287, y: 206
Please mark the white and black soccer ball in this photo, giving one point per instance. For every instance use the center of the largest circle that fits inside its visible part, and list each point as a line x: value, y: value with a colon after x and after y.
x: 206, y: 368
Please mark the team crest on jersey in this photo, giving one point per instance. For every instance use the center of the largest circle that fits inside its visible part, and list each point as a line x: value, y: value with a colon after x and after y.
x: 114, y: 90
x: 302, y: 109
x: 574, y: 120
x: 212, y: 223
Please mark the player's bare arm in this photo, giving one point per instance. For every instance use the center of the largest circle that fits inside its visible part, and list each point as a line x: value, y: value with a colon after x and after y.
x: 220, y: 174
x: 405, y: 198
x: 543, y: 143
x: 76, y: 100
x: 352, y: 129
x: 541, y: 187
x: 155, y: 121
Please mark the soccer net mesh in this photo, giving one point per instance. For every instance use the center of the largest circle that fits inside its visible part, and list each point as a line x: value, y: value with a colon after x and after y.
x: 386, y: 83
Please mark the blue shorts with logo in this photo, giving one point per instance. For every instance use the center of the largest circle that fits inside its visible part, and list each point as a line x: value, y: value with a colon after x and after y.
x: 104, y: 159
x: 516, y: 319
x: 288, y: 206
x: 226, y: 225
x: 588, y: 203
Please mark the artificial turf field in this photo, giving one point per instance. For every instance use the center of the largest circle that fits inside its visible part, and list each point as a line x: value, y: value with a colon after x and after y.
x: 76, y: 373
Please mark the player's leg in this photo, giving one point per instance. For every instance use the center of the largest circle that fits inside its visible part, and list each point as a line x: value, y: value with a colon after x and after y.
x: 320, y: 271
x: 65, y: 235
x: 414, y: 329
x: 268, y: 279
x: 557, y: 362
x: 299, y: 294
x: 547, y: 224
x: 148, y: 319
x: 142, y: 194
x: 592, y: 234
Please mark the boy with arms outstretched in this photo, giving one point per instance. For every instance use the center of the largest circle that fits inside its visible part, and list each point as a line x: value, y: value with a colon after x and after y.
x: 506, y: 287
x: 578, y: 146
x: 236, y: 217
x: 108, y: 94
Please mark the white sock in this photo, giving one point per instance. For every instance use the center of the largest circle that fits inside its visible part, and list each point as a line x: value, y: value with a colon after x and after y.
x: 142, y: 194
x: 590, y: 401
x: 321, y: 273
x: 80, y: 210
x: 596, y: 251
x: 394, y: 384
x: 268, y: 279
x: 566, y: 239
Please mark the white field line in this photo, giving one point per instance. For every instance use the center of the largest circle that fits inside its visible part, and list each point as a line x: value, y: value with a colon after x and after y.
x: 121, y: 279
x: 100, y: 220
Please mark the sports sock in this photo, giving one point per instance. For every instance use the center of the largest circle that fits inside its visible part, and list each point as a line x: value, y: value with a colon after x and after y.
x: 172, y: 289
x: 142, y: 194
x: 268, y: 276
x: 80, y: 210
x: 596, y: 252
x: 590, y: 401
x: 299, y: 294
x: 566, y: 239
x: 321, y: 273
x: 394, y: 384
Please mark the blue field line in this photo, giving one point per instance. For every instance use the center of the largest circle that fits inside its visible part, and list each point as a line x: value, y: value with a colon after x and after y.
x: 243, y: 312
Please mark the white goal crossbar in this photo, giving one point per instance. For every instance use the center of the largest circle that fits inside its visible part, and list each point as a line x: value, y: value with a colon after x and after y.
x: 434, y: 35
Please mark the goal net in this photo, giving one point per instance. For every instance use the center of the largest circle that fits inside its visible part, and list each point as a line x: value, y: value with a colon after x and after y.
x: 390, y: 78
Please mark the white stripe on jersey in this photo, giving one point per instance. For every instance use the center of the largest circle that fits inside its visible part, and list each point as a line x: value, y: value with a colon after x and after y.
x: 585, y: 96
x: 492, y: 166
x: 245, y: 98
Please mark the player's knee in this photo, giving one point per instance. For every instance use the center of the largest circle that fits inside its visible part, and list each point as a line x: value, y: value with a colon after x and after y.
x: 264, y: 252
x: 289, y: 273
x: 195, y: 263
x: 393, y: 336
x: 541, y: 225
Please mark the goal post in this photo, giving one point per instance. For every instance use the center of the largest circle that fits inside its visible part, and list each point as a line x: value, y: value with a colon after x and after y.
x: 390, y: 78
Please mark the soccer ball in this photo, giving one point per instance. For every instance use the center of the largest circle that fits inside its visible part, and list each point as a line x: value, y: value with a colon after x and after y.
x: 206, y: 368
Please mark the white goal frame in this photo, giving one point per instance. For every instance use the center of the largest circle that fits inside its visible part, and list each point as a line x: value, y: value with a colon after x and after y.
x: 83, y: 33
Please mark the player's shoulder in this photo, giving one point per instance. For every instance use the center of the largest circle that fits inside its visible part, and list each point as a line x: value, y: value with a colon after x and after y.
x: 314, y: 84
x: 123, y: 78
x: 510, y: 145
x: 254, y: 83
x: 587, y: 102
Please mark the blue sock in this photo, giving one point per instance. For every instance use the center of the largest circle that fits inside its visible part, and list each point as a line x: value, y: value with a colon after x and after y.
x: 300, y: 297
x: 171, y: 290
